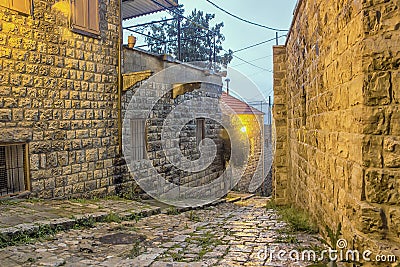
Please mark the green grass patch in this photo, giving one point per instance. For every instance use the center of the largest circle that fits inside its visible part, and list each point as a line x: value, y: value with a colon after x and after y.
x: 112, y: 217
x: 172, y: 211
x: 298, y: 220
x: 135, y: 250
x: 43, y: 232
x: 193, y: 216
x: 8, y: 202
x: 86, y: 222
x: 33, y: 200
x: 287, y: 239
x: 177, y: 257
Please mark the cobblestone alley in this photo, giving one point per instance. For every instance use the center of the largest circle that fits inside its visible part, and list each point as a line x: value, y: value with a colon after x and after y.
x: 229, y: 234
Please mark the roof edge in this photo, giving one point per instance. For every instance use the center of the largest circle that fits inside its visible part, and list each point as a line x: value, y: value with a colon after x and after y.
x: 295, y: 14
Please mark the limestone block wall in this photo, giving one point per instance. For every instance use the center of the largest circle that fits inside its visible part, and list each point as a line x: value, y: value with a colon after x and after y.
x: 280, y: 165
x: 343, y: 152
x: 58, y: 94
x: 381, y: 126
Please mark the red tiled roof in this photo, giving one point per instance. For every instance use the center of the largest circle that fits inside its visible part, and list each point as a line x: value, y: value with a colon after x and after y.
x: 239, y: 106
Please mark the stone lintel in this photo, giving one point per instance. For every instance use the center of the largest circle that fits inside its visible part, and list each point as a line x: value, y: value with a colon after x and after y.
x: 130, y: 79
x: 180, y: 89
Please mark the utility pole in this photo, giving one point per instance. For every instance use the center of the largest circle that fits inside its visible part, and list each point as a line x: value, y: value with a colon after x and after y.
x: 227, y: 80
x: 269, y: 110
x: 215, y: 55
x: 179, y: 39
x: 277, y: 38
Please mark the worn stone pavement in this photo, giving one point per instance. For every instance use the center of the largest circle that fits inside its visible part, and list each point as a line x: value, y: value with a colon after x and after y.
x: 229, y: 234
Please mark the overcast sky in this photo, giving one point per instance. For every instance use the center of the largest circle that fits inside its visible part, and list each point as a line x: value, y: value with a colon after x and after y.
x: 238, y: 34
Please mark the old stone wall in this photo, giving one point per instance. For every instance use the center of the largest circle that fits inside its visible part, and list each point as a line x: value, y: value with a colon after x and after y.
x: 210, y: 93
x: 340, y: 90
x: 280, y: 165
x: 58, y: 94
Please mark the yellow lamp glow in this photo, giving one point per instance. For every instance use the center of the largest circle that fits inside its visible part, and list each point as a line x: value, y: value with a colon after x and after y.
x: 243, y: 129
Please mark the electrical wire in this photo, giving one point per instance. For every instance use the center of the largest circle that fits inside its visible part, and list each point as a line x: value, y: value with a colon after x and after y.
x: 245, y: 20
x: 261, y: 93
x: 202, y: 27
x: 256, y: 73
x: 250, y: 61
x: 257, y: 44
x: 182, y: 16
x: 256, y: 96
x: 245, y: 61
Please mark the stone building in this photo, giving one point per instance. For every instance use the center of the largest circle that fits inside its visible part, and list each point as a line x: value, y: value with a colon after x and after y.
x: 147, y: 75
x: 65, y: 85
x: 336, y: 83
x: 59, y: 95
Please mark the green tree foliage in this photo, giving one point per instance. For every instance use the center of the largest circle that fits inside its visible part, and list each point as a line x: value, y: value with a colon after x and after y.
x: 197, y: 43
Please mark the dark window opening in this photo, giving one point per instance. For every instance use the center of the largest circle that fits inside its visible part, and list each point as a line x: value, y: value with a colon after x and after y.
x: 12, y: 169
x: 200, y: 130
x: 138, y: 133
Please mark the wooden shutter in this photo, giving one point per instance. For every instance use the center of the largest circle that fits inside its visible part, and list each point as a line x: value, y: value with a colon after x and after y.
x: 85, y: 15
x: 5, y: 3
x: 93, y: 15
x: 23, y: 6
x: 79, y: 13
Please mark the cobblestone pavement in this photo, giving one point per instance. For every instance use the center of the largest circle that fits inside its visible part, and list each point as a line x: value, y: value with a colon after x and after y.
x: 230, y: 234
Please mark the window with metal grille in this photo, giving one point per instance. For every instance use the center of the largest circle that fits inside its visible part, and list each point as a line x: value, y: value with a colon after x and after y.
x: 12, y: 169
x: 85, y: 16
x: 23, y: 6
x: 200, y: 130
x: 138, y: 134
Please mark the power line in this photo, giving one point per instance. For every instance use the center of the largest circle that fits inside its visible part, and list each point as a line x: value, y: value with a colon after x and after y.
x: 202, y: 27
x: 251, y: 61
x: 270, y: 91
x: 261, y: 93
x: 245, y: 20
x: 255, y: 96
x: 256, y: 73
x: 254, y: 45
x: 182, y: 16
x: 167, y: 42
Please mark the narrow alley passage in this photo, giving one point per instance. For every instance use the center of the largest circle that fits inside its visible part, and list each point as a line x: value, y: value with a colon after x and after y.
x: 229, y: 234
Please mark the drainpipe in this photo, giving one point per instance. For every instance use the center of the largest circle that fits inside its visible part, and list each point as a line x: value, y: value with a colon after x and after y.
x: 119, y: 71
